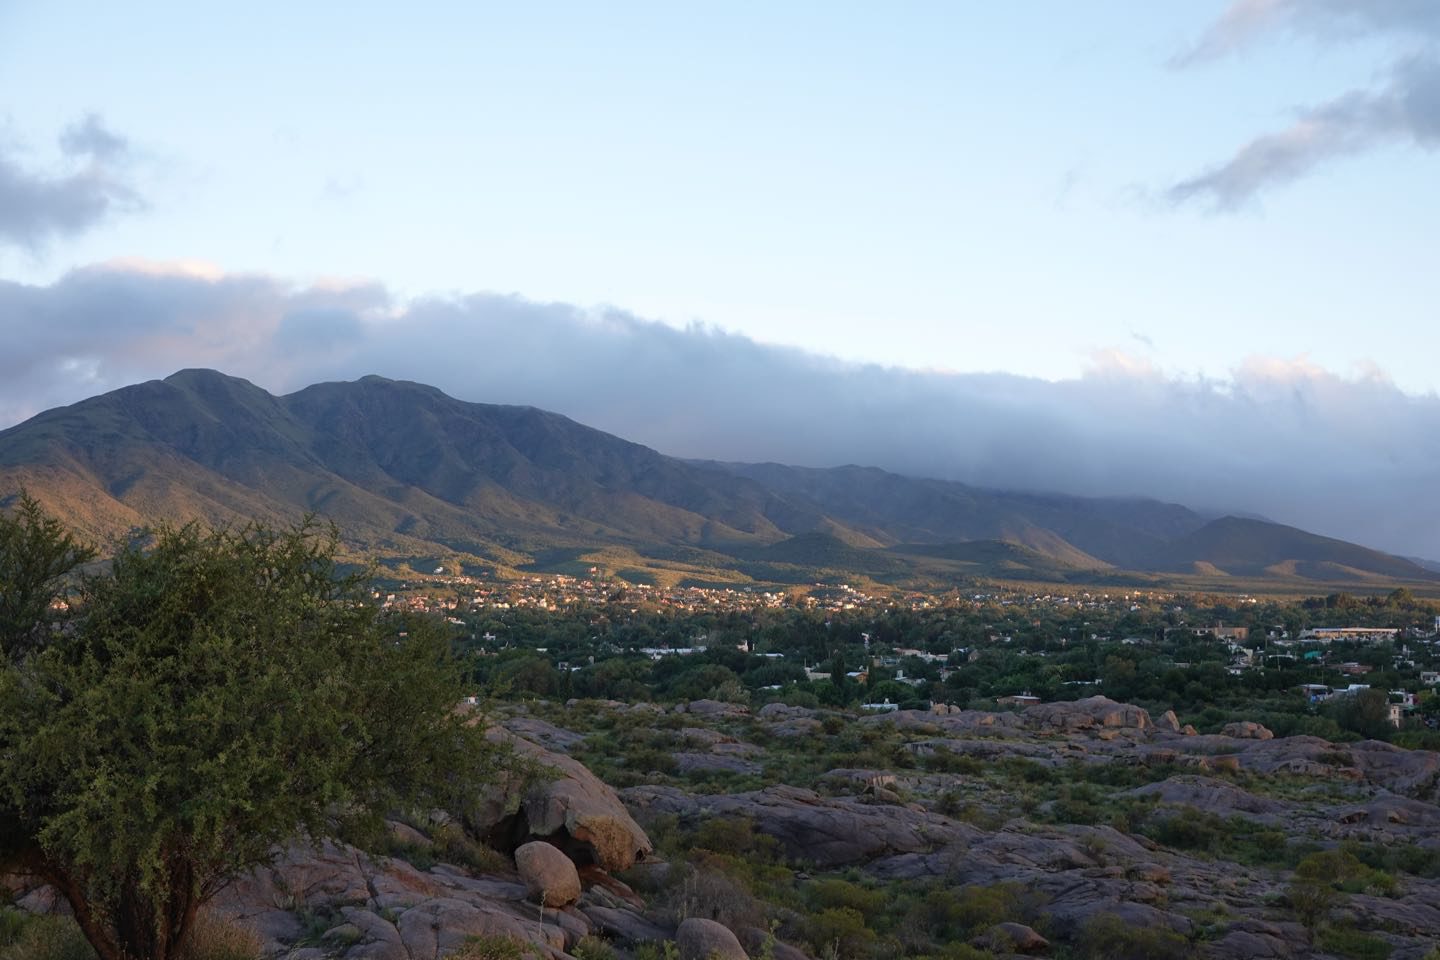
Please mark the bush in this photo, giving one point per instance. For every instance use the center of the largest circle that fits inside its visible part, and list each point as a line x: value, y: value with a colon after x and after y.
x: 1353, y: 943
x: 1107, y: 937
x: 840, y: 931
x: 592, y: 948
x: 494, y: 947
x: 833, y: 892
x: 44, y: 938
x: 214, y: 938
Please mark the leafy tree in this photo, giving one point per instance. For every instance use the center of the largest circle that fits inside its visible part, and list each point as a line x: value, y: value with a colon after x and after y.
x: 213, y: 695
x: 36, y: 555
x: 1366, y: 712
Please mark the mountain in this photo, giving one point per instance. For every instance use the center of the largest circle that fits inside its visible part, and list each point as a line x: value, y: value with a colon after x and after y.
x: 1236, y: 546
x: 406, y: 471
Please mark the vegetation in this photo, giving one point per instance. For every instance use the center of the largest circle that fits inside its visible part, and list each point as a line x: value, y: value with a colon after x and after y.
x: 211, y: 694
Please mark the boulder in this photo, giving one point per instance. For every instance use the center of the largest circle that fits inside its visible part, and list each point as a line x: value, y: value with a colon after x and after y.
x: 560, y: 801
x: 1168, y: 721
x: 700, y: 939
x: 1012, y: 938
x: 781, y: 711
x: 1246, y: 730
x: 1091, y: 713
x: 549, y: 875
x: 762, y: 943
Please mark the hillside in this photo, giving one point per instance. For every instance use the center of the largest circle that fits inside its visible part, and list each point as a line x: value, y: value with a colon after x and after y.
x: 1234, y: 546
x: 406, y: 471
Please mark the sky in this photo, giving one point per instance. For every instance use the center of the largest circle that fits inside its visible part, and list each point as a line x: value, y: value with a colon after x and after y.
x: 1183, y: 250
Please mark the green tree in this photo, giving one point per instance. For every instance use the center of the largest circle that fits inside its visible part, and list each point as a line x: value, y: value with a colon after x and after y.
x: 1366, y: 712
x: 37, y: 554
x: 214, y: 694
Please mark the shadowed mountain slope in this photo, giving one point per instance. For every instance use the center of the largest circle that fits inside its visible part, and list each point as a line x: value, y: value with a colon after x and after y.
x: 402, y: 468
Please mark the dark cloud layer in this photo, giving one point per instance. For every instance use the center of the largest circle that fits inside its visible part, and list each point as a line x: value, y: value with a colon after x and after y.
x: 36, y: 208
x: 1351, y: 457
x: 1404, y: 108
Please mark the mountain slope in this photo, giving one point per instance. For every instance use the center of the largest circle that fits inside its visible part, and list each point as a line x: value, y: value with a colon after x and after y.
x: 1234, y: 546
x: 404, y: 469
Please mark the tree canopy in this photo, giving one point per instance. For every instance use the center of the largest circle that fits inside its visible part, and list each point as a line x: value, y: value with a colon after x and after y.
x: 211, y: 695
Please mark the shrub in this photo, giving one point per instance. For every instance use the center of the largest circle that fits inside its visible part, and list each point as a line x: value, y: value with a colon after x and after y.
x: 1107, y: 937
x: 592, y: 948
x: 214, y: 938
x: 1311, y: 900
x: 840, y: 931
x: 833, y: 892
x: 1353, y: 943
x: 493, y: 947
x: 45, y: 938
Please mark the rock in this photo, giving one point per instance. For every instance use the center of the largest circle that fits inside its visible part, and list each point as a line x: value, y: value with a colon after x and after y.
x: 1246, y: 730
x: 827, y: 831
x: 403, y: 833
x: 703, y: 737
x: 799, y: 727
x: 1189, y: 731
x: 549, y: 875
x: 781, y: 711
x: 1092, y: 713
x: 1212, y: 796
x: 565, y: 804
x: 623, y: 924
x: 1168, y: 721
x: 711, y: 763
x: 707, y: 940
x: 1012, y: 938
x: 762, y: 943
x: 543, y: 733
x: 713, y: 708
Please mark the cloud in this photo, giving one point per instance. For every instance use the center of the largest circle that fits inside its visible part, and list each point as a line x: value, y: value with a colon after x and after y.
x: 1246, y: 21
x: 89, y: 138
x: 1346, y: 455
x: 1403, y: 109
x: 36, y: 208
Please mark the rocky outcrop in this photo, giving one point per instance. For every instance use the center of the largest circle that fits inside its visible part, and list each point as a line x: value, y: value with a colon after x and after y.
x: 1087, y: 714
x: 826, y: 831
x: 700, y: 939
x: 543, y: 733
x: 1247, y: 730
x: 561, y: 801
x: 1212, y: 796
x: 383, y: 909
x: 548, y: 874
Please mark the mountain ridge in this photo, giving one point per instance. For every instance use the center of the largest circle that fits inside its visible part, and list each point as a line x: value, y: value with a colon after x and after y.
x: 402, y: 468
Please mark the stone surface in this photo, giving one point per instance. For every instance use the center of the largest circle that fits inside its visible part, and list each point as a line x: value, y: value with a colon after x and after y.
x: 700, y: 939
x: 549, y: 875
x: 1247, y: 730
x: 565, y: 804
x: 1087, y: 714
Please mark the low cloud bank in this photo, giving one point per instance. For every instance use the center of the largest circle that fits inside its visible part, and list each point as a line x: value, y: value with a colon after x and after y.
x: 1348, y: 456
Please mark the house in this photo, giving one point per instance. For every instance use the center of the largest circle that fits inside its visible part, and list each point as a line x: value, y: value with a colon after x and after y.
x: 1329, y: 634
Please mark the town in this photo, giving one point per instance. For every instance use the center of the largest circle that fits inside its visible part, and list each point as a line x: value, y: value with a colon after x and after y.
x: 1331, y: 666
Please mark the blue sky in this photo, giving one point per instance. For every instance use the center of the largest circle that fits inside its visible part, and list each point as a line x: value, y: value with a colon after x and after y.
x: 961, y: 186
x: 1204, y: 220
